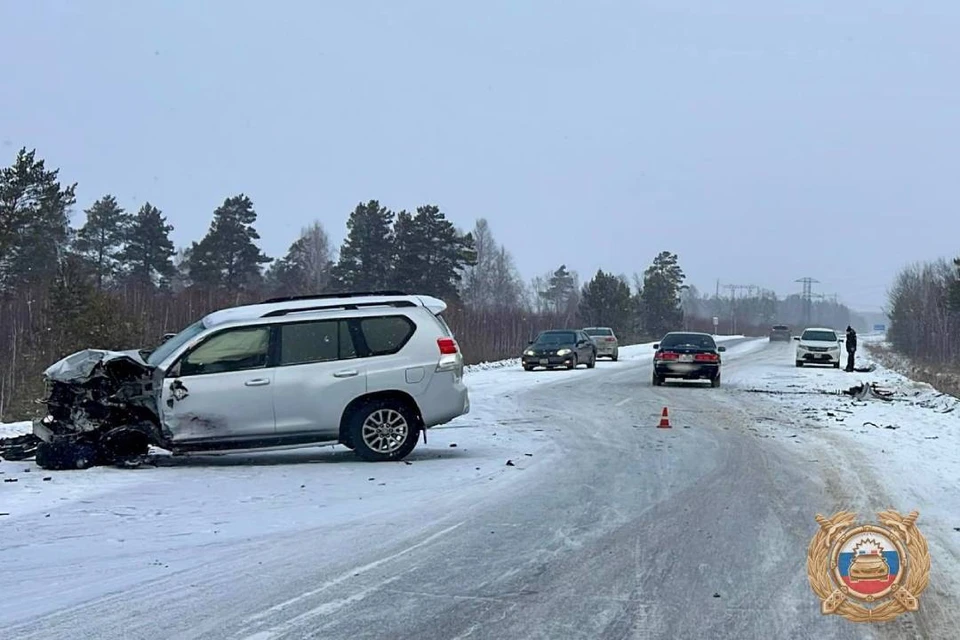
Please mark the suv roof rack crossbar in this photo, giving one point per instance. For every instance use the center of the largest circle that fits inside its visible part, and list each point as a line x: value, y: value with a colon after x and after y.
x: 327, y: 296
x: 349, y: 307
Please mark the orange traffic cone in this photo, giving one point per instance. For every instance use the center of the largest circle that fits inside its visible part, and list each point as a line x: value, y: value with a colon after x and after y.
x: 664, y: 420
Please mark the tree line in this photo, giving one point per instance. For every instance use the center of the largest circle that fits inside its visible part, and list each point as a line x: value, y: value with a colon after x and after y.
x: 117, y: 281
x: 924, y: 310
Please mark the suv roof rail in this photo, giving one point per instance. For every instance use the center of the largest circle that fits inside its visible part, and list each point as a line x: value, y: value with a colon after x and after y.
x: 328, y: 296
x: 347, y: 306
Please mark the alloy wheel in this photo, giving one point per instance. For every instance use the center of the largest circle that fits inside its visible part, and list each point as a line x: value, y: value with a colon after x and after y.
x: 385, y: 430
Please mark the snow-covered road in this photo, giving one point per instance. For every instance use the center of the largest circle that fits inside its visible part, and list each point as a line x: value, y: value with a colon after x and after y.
x: 602, y: 526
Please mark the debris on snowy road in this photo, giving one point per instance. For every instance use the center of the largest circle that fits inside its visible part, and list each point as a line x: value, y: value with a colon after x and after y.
x: 19, y: 447
x: 865, y: 391
x: 874, y: 424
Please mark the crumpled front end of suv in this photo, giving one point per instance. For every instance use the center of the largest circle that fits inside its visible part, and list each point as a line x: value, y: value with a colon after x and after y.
x: 101, y: 403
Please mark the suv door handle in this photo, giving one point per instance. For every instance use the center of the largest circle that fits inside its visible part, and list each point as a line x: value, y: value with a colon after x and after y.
x: 346, y: 374
x: 257, y: 382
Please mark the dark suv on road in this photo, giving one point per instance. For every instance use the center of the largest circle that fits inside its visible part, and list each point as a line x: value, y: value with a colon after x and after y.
x: 560, y: 348
x: 687, y: 356
x: 780, y: 332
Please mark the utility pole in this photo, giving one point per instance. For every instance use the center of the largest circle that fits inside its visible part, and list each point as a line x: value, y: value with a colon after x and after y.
x: 806, y: 296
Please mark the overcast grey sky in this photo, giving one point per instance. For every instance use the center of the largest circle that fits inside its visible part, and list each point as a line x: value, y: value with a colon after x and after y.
x: 762, y: 141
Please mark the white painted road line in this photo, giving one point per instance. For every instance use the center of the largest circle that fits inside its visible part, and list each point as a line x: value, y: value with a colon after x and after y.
x: 623, y: 402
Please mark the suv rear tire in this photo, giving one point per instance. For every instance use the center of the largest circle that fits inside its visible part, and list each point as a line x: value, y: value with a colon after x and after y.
x: 383, y: 430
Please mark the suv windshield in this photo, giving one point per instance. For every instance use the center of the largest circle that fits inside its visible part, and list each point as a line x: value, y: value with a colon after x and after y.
x: 781, y: 327
x: 160, y: 353
x: 556, y: 337
x: 688, y: 340
x: 820, y: 336
x: 598, y: 332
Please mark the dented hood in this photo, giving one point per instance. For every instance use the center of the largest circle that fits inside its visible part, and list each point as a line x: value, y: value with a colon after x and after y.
x: 81, y: 365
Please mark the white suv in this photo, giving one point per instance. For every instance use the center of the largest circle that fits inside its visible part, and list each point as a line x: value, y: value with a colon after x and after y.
x: 818, y: 346
x: 371, y: 371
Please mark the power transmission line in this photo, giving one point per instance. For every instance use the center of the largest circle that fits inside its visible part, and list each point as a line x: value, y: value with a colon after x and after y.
x: 806, y: 296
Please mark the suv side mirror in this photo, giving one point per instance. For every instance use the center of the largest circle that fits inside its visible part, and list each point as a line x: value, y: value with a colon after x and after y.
x: 797, y: 338
x: 656, y: 346
x: 166, y: 337
x: 721, y: 349
x: 529, y: 341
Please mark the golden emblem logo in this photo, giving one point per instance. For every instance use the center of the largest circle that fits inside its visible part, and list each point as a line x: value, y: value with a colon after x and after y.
x: 868, y: 572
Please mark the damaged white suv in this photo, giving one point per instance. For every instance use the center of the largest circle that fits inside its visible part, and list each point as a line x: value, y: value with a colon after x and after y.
x: 369, y: 370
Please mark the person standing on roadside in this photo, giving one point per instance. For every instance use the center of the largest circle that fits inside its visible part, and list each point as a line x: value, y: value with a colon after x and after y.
x: 851, y: 347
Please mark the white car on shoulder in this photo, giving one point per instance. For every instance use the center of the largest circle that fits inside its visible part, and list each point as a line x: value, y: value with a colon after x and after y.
x: 817, y: 345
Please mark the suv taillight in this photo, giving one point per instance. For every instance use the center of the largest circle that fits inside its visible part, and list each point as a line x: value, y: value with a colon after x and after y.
x: 448, y: 346
x: 667, y: 355
x: 706, y: 357
x: 450, y: 358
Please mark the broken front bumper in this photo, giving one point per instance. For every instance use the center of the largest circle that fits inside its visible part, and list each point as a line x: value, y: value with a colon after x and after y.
x: 43, y: 432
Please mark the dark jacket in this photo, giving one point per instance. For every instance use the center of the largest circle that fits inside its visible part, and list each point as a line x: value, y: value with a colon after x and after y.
x: 851, y: 340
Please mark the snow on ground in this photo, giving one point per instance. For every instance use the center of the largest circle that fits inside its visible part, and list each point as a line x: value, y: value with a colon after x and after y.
x: 9, y: 430
x: 155, y: 518
x: 902, y: 454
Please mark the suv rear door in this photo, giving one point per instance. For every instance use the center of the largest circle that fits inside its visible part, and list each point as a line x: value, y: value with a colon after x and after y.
x: 318, y: 374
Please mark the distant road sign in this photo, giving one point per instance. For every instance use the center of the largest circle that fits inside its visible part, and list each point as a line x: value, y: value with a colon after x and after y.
x: 879, y: 327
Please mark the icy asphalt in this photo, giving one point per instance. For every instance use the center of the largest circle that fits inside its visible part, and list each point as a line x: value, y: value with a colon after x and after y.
x: 611, y: 529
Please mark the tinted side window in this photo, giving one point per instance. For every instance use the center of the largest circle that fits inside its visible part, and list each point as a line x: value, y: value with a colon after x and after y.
x: 386, y: 335
x: 304, y: 342
x: 231, y: 350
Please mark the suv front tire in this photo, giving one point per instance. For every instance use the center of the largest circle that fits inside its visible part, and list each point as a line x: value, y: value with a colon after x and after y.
x: 383, y: 430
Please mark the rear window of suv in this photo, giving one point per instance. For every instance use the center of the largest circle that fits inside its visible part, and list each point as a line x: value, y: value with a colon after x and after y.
x: 318, y: 341
x: 386, y: 335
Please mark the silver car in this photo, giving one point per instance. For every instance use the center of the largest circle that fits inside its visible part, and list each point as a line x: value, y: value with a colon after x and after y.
x: 369, y: 371
x: 606, y: 340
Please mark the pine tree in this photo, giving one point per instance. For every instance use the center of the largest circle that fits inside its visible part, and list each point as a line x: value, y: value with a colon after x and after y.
x: 306, y: 267
x: 407, y: 272
x: 148, y: 254
x: 228, y: 257
x: 34, y: 222
x: 100, y: 240
x: 430, y: 254
x: 605, y: 302
x: 366, y: 256
x: 662, y: 286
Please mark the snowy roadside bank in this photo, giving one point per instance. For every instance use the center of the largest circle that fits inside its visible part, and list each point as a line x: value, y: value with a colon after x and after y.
x: 901, y: 453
